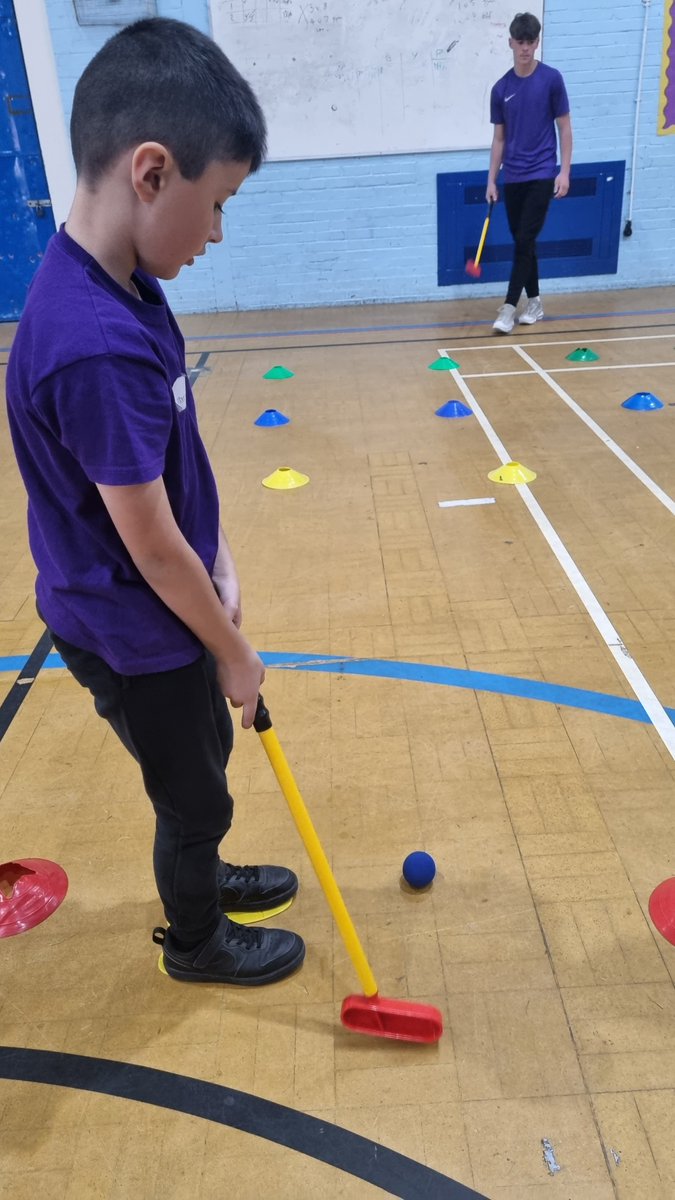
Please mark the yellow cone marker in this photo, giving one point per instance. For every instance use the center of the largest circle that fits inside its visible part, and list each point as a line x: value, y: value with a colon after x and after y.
x: 284, y: 478
x: 512, y: 472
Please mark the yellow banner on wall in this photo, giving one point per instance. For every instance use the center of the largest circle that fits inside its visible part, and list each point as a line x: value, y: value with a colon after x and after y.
x: 666, y: 122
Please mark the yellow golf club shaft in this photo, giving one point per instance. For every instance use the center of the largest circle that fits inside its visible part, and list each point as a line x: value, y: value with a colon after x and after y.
x: 318, y: 859
x: 479, y: 251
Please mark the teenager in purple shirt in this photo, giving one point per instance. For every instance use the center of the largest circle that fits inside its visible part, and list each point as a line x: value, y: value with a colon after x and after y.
x: 136, y: 581
x: 526, y: 105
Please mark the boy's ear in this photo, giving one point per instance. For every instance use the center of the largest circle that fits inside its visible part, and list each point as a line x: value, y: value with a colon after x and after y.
x: 151, y: 166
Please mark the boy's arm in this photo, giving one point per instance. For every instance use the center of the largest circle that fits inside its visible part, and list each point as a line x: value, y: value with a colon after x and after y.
x: 142, y: 516
x: 562, y: 182
x: 496, y: 155
x: 226, y: 579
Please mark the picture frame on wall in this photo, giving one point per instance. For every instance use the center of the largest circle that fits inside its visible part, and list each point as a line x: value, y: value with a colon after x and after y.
x: 113, y: 12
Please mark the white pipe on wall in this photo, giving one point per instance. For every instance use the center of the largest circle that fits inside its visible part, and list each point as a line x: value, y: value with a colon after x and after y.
x: 628, y: 227
x: 38, y: 53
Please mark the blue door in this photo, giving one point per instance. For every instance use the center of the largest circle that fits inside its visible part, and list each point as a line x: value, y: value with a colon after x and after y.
x: 26, y: 221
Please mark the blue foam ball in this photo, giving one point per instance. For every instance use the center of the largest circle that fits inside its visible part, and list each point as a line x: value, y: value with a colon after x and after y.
x: 419, y: 869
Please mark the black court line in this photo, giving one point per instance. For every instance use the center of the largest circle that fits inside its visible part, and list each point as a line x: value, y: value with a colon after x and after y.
x: 469, y: 337
x: 194, y: 372
x: 349, y: 1152
x: 23, y: 683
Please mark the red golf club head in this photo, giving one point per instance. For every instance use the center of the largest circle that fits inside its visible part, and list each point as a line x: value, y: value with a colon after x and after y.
x: 473, y: 268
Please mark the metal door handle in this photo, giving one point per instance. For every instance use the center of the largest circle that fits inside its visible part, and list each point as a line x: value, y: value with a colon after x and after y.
x: 39, y: 206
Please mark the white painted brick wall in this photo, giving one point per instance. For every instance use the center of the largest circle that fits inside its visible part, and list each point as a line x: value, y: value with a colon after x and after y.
x: 356, y: 230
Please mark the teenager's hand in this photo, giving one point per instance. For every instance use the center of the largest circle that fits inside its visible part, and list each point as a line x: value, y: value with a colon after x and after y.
x: 492, y: 193
x: 561, y: 186
x: 240, y: 679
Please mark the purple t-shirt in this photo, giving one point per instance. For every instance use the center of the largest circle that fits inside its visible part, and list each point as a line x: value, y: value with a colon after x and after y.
x: 527, y: 107
x: 97, y: 392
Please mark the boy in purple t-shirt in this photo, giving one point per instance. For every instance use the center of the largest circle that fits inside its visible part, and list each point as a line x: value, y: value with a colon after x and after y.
x: 136, y: 581
x: 526, y: 104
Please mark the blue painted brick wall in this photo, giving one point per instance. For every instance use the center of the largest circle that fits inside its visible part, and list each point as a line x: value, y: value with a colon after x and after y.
x: 344, y: 231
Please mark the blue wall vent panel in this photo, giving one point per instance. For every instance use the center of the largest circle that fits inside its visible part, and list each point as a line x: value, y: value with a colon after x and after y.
x: 580, y: 237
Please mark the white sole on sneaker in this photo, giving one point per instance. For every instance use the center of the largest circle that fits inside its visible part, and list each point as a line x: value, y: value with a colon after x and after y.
x: 506, y: 319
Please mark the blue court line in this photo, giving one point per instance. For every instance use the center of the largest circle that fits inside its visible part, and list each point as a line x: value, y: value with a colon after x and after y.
x: 270, y: 333
x: 349, y: 1152
x: 458, y: 677
x: 225, y: 337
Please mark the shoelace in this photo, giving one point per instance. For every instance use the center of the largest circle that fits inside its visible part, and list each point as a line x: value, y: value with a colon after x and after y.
x: 244, y: 935
x: 248, y: 874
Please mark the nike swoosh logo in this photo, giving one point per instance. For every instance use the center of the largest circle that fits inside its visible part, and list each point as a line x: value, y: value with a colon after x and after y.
x: 507, y: 98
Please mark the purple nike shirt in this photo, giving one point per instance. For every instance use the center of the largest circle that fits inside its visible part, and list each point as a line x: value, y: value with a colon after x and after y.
x: 97, y: 392
x: 528, y: 107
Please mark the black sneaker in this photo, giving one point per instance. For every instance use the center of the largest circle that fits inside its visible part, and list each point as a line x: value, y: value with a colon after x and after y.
x: 234, y: 954
x: 253, y: 889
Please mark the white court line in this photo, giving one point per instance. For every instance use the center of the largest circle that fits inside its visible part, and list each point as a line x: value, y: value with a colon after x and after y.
x: 463, y: 503
x: 609, y: 366
x: 502, y: 344
x: 560, y: 370
x: 637, y: 471
x: 495, y: 374
x: 620, y: 653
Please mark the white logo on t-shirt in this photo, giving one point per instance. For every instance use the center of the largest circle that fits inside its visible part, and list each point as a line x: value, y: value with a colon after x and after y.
x: 507, y: 98
x: 179, y: 390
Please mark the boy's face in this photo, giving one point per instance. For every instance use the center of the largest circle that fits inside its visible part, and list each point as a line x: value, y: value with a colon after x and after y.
x: 179, y: 217
x: 523, y: 52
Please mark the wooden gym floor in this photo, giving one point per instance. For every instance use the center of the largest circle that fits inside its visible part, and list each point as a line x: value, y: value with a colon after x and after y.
x: 471, y: 680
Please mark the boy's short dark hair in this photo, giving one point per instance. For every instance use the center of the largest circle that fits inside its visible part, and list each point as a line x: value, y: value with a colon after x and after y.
x: 163, y: 81
x: 525, y: 27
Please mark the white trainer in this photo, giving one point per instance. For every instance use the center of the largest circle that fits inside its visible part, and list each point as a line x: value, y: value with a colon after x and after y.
x: 506, y: 319
x: 533, y: 312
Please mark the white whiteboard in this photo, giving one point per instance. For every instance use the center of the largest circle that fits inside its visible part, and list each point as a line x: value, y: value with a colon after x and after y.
x: 350, y: 77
